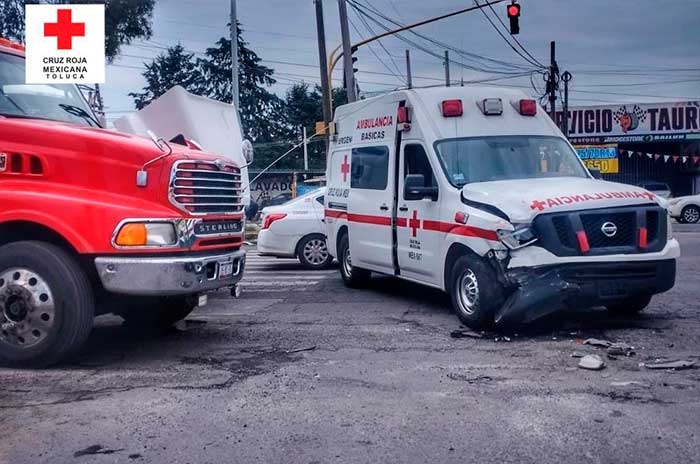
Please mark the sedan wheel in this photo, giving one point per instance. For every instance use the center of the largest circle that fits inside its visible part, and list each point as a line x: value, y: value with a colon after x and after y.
x: 690, y: 214
x: 313, y: 252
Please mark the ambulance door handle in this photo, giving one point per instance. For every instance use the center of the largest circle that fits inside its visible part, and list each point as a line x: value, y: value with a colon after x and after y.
x: 403, y: 208
x: 384, y: 207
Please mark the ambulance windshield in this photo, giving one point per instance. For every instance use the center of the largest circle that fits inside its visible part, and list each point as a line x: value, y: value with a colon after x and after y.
x: 485, y: 159
x: 58, y: 102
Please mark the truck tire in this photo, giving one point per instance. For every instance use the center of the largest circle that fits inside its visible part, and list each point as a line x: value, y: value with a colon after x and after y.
x: 353, y: 277
x: 157, y: 312
x: 47, y: 305
x: 313, y: 252
x: 630, y: 306
x: 690, y: 214
x: 475, y: 292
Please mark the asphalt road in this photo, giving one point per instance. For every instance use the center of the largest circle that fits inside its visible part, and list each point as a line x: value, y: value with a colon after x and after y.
x: 384, y: 382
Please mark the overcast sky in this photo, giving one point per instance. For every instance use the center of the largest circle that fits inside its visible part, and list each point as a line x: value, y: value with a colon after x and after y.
x: 617, y: 50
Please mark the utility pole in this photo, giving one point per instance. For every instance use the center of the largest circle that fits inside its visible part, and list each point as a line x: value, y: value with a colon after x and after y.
x: 447, y: 68
x: 323, y: 60
x: 566, y: 77
x: 409, y: 79
x: 347, y: 52
x: 553, y: 83
x: 306, y: 149
x: 234, y: 55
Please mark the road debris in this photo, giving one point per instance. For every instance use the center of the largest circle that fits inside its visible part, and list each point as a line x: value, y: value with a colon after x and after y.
x: 620, y: 349
x: 675, y: 365
x: 577, y: 354
x: 591, y: 362
x: 466, y: 333
x: 597, y: 342
x: 95, y: 449
x: 299, y: 350
x: 630, y: 383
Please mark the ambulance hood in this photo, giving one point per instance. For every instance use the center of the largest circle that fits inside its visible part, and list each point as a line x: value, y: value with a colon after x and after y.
x: 521, y: 200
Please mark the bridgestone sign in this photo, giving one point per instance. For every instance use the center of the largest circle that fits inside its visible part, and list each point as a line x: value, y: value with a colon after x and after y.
x: 633, y: 122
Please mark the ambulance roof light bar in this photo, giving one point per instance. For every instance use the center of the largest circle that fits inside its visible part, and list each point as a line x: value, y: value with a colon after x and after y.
x: 452, y: 108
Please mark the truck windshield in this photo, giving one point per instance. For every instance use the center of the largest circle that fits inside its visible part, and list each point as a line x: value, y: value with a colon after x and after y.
x: 59, y: 102
x: 484, y: 159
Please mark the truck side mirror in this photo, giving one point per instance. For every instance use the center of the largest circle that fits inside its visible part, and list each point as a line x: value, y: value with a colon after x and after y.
x: 595, y: 173
x: 414, y: 188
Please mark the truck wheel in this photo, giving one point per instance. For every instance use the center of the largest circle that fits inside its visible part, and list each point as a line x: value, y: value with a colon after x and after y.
x: 630, y: 306
x: 157, y: 312
x: 313, y: 252
x: 353, y: 277
x: 46, y: 305
x: 475, y: 292
x: 690, y: 214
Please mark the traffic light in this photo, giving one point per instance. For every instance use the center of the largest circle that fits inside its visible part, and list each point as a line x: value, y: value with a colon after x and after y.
x: 514, y: 16
x: 354, y: 69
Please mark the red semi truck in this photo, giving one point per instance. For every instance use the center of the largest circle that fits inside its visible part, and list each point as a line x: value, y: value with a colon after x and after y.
x: 94, y: 221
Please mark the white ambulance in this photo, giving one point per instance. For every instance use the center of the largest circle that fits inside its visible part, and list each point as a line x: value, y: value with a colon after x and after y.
x: 473, y: 190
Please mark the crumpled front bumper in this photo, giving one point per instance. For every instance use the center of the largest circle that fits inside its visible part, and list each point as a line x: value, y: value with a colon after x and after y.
x: 543, y: 290
x: 169, y: 275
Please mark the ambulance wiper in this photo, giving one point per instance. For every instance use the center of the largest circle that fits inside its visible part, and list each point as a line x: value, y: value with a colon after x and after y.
x: 79, y: 112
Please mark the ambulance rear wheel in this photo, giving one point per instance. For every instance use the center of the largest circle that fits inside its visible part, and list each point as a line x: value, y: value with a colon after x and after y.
x: 46, y: 305
x: 475, y: 292
x: 353, y: 277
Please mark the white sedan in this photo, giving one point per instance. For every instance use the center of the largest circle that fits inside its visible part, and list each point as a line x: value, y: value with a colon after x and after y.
x: 685, y: 209
x: 296, y: 230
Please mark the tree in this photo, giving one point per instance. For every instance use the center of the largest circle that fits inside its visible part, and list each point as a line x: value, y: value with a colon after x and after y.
x: 174, y: 67
x: 125, y: 20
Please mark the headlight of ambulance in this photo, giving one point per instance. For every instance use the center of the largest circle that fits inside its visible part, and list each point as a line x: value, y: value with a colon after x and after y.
x: 521, y: 236
x: 155, y: 234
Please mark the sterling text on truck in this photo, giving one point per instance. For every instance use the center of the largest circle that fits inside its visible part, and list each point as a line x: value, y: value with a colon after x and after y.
x: 95, y: 221
x: 476, y: 192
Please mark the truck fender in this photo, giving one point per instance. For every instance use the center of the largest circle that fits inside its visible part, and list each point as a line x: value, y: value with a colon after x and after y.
x: 53, y: 223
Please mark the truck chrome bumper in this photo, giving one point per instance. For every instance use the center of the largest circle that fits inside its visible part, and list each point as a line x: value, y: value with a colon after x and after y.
x: 171, y: 275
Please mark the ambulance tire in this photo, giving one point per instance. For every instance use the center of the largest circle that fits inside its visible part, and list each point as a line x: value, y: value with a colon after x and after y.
x: 630, y: 306
x: 475, y: 292
x: 353, y: 277
x: 53, y: 305
x: 157, y: 312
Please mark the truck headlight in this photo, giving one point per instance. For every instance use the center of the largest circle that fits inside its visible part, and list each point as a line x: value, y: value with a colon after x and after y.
x: 521, y: 236
x: 146, y: 234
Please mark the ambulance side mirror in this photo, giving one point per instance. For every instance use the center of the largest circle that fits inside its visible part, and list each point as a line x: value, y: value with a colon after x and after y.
x: 595, y: 173
x: 414, y: 188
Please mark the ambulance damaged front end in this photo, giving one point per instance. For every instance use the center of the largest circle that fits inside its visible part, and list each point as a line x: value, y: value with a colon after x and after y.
x: 565, y: 239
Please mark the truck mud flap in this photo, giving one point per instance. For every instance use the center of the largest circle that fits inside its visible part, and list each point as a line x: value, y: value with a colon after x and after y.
x: 536, y: 297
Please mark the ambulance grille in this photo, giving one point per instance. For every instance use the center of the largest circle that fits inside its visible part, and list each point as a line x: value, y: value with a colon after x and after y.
x: 205, y: 187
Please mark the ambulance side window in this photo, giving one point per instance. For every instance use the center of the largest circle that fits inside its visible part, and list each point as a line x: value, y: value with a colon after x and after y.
x: 370, y: 168
x: 416, y: 162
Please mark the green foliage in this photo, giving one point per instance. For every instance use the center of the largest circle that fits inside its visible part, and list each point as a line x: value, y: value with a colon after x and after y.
x: 125, y: 20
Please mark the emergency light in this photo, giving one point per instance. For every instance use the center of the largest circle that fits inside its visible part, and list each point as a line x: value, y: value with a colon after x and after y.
x: 528, y: 107
x: 452, y: 108
x: 491, y: 106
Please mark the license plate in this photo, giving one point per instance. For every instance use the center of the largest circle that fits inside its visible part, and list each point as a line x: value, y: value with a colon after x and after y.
x: 225, y: 270
x: 217, y: 227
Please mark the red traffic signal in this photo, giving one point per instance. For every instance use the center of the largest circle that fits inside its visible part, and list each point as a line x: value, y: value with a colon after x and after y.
x: 514, y: 16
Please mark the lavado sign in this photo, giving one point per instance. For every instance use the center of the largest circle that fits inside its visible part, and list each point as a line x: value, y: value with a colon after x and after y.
x: 633, y: 122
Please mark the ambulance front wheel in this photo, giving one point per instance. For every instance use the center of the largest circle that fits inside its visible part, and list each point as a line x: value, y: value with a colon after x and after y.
x: 353, y: 277
x: 475, y: 292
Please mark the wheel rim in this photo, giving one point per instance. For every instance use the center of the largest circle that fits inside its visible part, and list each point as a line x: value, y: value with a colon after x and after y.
x: 468, y: 291
x: 27, y: 310
x: 691, y: 214
x: 347, y: 263
x: 315, y: 251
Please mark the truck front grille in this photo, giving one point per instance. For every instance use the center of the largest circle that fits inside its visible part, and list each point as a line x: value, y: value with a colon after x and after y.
x: 205, y: 187
x: 558, y: 232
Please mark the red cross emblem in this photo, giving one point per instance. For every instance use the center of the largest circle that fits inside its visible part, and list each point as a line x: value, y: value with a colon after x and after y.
x: 414, y: 223
x: 64, y: 29
x: 345, y: 169
x: 538, y: 205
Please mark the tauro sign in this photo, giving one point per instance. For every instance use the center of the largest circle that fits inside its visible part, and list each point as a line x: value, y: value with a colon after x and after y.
x: 633, y: 122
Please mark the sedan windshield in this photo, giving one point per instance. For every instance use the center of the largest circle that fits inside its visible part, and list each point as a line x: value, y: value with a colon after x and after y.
x: 59, y: 102
x: 485, y: 159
